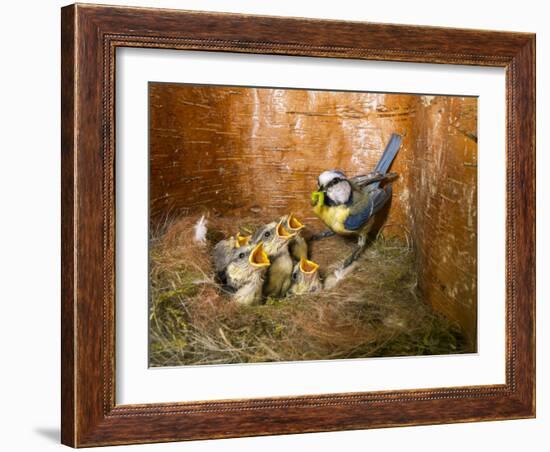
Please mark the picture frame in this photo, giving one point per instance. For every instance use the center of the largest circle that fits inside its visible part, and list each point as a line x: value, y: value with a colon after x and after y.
x: 90, y: 36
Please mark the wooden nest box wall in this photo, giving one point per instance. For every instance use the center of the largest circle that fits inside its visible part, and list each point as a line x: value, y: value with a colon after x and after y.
x: 241, y: 151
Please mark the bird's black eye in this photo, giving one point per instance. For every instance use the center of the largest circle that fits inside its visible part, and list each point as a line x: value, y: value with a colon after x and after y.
x: 334, y: 181
x: 295, y: 276
x: 267, y: 234
x: 241, y: 255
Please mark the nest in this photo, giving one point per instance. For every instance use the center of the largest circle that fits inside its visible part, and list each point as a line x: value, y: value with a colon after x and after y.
x: 376, y: 310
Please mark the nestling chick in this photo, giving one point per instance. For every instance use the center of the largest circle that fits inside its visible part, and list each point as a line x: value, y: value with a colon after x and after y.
x: 245, y: 273
x: 223, y: 250
x: 242, y: 262
x: 305, y: 278
x: 298, y: 245
x: 276, y: 239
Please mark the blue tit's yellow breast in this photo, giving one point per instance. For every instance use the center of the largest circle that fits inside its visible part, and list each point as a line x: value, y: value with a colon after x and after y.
x: 334, y: 217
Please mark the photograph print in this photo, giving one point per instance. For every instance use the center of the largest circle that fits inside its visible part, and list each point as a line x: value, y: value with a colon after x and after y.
x: 301, y: 224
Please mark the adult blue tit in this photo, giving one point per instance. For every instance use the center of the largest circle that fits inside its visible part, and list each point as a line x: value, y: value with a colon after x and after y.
x: 348, y: 206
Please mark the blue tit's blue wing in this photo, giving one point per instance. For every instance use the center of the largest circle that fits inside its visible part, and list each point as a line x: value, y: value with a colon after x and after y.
x: 365, y: 206
x: 362, y: 181
x: 380, y: 172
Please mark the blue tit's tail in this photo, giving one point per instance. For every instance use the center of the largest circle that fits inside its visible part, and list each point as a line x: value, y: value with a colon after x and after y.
x: 386, y: 160
x: 389, y: 154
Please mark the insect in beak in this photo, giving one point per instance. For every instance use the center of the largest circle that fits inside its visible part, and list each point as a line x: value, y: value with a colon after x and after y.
x: 317, y: 197
x: 258, y: 257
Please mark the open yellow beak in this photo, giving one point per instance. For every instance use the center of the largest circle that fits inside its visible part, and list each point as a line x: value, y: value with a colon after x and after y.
x: 282, y: 232
x: 258, y: 257
x: 308, y: 267
x: 242, y: 240
x: 294, y: 224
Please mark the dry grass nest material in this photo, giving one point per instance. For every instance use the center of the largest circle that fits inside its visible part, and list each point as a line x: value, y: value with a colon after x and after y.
x: 374, y: 311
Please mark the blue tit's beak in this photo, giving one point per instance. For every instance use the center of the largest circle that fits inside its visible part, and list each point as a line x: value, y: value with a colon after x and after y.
x: 242, y: 240
x: 258, y: 257
x: 317, y: 197
x: 282, y: 232
x: 308, y: 267
x: 294, y: 224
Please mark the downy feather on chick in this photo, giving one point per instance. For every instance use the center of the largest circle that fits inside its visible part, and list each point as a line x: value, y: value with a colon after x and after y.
x: 305, y: 278
x: 276, y: 239
x: 200, y: 229
x: 245, y: 273
x: 297, y: 246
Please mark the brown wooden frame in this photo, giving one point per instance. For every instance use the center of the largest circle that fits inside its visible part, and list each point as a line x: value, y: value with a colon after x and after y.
x: 90, y: 35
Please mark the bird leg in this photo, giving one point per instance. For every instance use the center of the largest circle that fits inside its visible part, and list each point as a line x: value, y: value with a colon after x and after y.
x: 361, y: 245
x: 322, y: 235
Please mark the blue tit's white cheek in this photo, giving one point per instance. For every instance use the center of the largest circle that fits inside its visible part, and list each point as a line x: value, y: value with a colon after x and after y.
x: 339, y: 192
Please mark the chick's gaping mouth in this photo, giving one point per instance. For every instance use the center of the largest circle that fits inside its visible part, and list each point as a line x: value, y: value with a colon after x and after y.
x: 293, y: 223
x: 282, y: 232
x: 258, y: 257
x: 308, y: 267
x: 242, y: 240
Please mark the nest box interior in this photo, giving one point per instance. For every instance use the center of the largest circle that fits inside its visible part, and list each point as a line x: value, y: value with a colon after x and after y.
x: 233, y: 151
